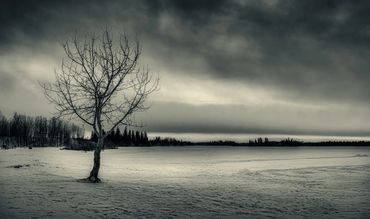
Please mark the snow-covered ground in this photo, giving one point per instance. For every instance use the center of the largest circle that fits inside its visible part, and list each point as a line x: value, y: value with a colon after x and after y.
x: 186, y: 182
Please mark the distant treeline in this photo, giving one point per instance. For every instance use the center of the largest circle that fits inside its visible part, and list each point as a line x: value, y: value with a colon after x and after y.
x: 256, y: 142
x: 39, y: 131
x: 289, y: 142
x: 137, y: 138
x: 126, y: 138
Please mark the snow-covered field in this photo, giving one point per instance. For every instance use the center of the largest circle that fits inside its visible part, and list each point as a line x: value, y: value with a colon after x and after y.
x: 188, y: 182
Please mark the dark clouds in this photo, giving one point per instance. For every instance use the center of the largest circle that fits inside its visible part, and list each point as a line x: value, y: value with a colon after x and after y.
x: 313, y: 52
x: 307, y: 49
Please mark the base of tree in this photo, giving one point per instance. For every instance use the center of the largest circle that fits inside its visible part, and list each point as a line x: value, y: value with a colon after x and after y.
x: 94, y: 179
x: 90, y: 180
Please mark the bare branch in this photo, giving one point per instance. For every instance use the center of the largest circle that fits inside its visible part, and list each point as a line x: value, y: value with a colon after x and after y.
x: 100, y: 82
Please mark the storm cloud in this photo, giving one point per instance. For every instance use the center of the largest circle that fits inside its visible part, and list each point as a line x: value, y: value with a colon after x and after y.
x: 278, y: 66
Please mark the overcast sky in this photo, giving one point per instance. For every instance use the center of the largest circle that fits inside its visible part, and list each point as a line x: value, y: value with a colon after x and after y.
x: 254, y: 66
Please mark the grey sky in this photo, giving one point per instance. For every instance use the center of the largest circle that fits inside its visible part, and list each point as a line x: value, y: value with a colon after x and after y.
x: 262, y: 66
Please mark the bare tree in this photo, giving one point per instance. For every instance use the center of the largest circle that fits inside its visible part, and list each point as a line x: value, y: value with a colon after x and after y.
x: 102, y: 84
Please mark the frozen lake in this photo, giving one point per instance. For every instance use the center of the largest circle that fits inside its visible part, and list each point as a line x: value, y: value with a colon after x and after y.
x: 202, y: 182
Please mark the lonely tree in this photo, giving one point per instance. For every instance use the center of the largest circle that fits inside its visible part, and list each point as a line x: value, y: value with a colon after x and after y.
x: 102, y: 84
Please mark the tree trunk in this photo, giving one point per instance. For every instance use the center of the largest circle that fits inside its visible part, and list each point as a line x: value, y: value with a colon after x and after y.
x: 95, y: 170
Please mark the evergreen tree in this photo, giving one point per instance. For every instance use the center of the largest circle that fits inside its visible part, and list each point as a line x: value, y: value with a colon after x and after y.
x: 117, y: 136
x: 137, y: 138
x: 93, y: 137
x: 130, y: 137
x: 125, y: 136
x: 145, y: 137
x: 142, y: 140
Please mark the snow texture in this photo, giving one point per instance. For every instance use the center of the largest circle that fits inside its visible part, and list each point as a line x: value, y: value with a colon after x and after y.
x: 188, y: 182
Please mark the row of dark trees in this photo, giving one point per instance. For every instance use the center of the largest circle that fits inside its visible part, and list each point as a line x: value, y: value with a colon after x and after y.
x: 126, y: 138
x: 39, y: 131
x: 255, y: 142
x: 158, y: 141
